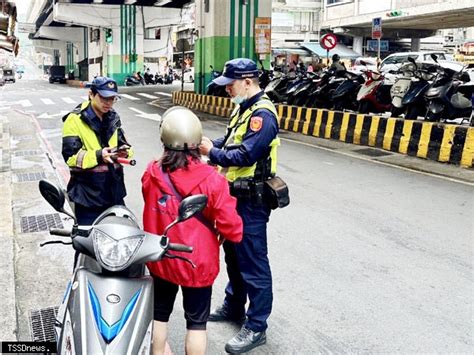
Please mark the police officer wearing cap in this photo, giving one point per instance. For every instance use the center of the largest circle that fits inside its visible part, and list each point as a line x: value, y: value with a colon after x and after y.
x: 247, y: 156
x: 92, y: 139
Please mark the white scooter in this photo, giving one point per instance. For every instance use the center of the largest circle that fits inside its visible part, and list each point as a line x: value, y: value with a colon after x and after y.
x: 108, y: 305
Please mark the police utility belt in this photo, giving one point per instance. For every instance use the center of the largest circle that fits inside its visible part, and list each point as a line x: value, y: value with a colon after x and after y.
x: 272, y: 191
x: 263, y: 188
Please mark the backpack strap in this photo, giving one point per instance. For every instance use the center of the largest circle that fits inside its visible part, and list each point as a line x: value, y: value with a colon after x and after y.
x: 199, y: 216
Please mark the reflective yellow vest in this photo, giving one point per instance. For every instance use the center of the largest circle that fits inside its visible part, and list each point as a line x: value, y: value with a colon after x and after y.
x: 86, y: 156
x: 238, y: 126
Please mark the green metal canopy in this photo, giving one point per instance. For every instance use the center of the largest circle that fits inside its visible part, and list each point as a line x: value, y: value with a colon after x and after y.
x: 341, y: 49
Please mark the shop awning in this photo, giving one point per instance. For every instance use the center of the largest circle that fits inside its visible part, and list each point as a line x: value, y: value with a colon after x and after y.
x: 341, y: 49
x: 285, y: 51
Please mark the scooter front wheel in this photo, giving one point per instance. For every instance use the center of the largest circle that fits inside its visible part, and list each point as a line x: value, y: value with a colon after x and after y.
x: 364, y: 107
x: 433, y: 117
x: 413, y: 112
x: 396, y: 111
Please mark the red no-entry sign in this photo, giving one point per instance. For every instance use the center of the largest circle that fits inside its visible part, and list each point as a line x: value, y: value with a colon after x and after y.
x: 328, y: 41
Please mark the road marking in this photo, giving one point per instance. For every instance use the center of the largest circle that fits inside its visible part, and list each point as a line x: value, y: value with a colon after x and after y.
x: 47, y: 101
x: 85, y: 97
x: 68, y: 100
x: 47, y: 115
x: 148, y: 116
x: 163, y: 93
x: 25, y: 103
x: 356, y: 156
x: 130, y: 97
x: 148, y: 96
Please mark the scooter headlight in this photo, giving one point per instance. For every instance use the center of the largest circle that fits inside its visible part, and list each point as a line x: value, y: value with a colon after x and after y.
x: 112, y: 254
x: 426, y: 76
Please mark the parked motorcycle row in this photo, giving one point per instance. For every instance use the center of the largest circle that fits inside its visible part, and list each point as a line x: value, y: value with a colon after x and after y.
x: 148, y: 79
x: 432, y: 91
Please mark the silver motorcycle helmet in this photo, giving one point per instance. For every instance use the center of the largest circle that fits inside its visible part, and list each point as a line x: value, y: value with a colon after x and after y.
x: 180, y: 129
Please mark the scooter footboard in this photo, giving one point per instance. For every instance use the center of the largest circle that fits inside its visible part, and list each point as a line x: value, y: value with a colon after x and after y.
x: 106, y: 315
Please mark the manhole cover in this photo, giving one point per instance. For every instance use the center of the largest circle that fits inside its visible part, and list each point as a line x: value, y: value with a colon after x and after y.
x: 26, y: 177
x: 24, y: 153
x: 21, y: 138
x: 372, y: 152
x: 40, y: 223
x: 42, y: 324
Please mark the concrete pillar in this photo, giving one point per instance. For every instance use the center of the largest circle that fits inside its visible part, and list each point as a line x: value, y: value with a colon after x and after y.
x: 357, y: 44
x: 415, y: 44
x: 63, y: 55
x: 225, y: 30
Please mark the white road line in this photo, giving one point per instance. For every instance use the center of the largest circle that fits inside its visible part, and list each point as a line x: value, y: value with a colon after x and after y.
x: 130, y: 97
x: 85, y: 97
x: 148, y: 96
x: 148, y: 116
x: 47, y: 101
x: 163, y: 93
x: 68, y: 100
x: 25, y: 103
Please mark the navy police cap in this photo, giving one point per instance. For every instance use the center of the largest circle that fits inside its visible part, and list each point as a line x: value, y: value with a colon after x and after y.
x: 237, y: 69
x: 106, y: 87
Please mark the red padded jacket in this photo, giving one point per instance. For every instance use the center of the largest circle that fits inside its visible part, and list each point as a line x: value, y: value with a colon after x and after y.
x: 161, y: 209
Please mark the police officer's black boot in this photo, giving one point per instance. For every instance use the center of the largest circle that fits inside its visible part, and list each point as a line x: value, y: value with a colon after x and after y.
x: 245, y: 340
x: 222, y: 314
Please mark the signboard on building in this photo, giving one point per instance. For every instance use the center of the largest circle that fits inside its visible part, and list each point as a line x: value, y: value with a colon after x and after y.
x: 263, y: 35
x: 372, y: 45
x: 377, y: 28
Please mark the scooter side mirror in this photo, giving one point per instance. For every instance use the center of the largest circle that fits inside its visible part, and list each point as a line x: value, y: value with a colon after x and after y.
x: 55, y: 197
x: 53, y: 194
x: 465, y: 77
x: 210, y: 66
x: 188, y: 208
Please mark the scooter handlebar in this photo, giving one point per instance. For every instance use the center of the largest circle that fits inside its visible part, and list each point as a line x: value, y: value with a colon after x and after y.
x: 60, y: 232
x: 180, y: 247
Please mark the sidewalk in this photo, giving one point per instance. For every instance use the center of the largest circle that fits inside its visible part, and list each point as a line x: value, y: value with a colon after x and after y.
x: 32, y: 277
x: 8, y: 326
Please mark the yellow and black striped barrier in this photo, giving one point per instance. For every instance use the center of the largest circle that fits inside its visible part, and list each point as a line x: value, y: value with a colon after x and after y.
x: 435, y: 141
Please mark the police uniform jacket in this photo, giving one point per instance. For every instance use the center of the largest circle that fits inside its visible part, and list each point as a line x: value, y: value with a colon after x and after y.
x: 93, y: 182
x: 254, y: 128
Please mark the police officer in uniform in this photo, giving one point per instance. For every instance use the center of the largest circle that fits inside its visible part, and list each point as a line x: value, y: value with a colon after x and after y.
x: 92, y: 139
x: 247, y: 156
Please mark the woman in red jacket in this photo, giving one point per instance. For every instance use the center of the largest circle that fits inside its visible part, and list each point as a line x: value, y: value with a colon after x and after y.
x: 180, y: 173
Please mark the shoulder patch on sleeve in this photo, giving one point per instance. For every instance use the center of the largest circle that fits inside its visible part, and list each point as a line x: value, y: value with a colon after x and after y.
x: 256, y: 123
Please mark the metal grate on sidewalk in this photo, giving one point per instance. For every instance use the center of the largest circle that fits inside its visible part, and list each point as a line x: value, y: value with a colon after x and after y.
x: 372, y: 152
x: 28, y: 177
x: 42, y: 324
x: 40, y: 223
x: 21, y: 138
x: 26, y: 153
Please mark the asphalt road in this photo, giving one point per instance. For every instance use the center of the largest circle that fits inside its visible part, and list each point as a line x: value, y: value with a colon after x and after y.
x: 368, y: 258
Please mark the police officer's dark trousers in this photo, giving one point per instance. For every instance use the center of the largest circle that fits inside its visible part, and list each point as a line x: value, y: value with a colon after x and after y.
x: 248, y: 268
